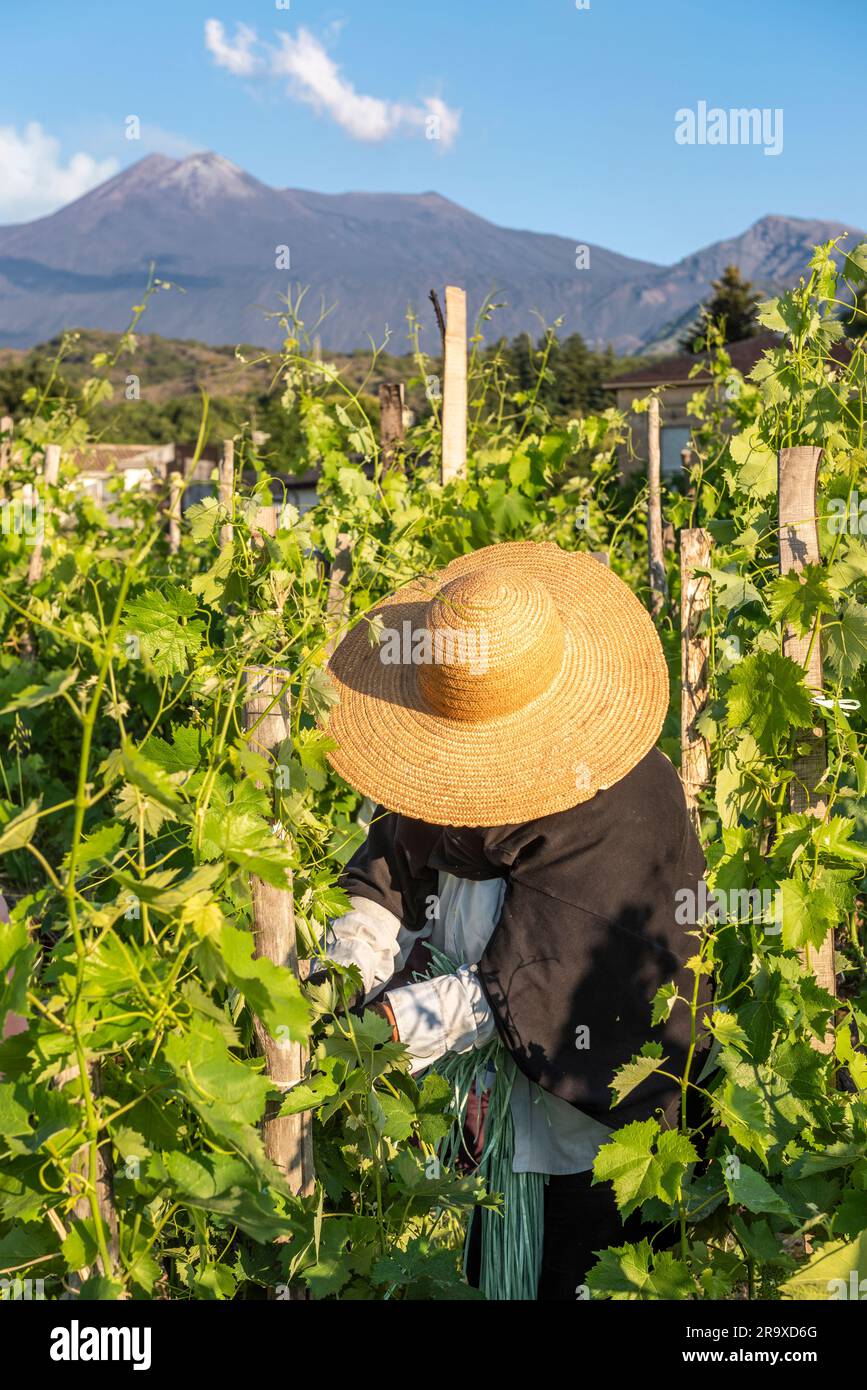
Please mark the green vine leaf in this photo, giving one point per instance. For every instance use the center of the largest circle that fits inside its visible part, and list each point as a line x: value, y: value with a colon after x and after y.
x: 846, y: 640
x: 643, y: 1161
x: 767, y: 695
x: 636, y: 1071
x: 833, y: 1271
x: 19, y: 830
x: 748, y: 1188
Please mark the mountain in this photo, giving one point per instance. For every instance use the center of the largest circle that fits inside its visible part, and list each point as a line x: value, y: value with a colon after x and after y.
x: 214, y: 230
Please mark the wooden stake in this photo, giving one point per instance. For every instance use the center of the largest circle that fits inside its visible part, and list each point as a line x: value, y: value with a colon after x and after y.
x: 7, y: 425
x: 694, y: 657
x: 266, y: 522
x: 338, y: 596
x: 656, y: 563
x: 288, y: 1139
x: 176, y: 493
x: 80, y: 1164
x: 798, y: 472
x: 391, y: 399
x: 227, y: 489
x: 454, y: 407
x: 35, y: 569
x: 51, y: 471
x: 50, y: 475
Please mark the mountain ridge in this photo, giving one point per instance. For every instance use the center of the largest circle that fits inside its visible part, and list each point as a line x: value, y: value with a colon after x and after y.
x: 215, y: 230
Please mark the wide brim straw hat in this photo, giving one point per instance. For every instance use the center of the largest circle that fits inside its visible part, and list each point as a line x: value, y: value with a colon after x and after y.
x: 514, y: 683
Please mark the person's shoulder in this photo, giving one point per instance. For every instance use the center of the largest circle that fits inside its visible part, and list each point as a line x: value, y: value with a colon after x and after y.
x: 657, y: 768
x: 654, y: 783
x: 648, y: 804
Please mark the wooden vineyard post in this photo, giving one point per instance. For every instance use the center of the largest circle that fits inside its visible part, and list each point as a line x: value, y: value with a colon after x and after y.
x: 266, y: 521
x: 50, y: 475
x: 694, y: 657
x: 454, y: 463
x: 176, y: 492
x: 288, y: 1139
x: 227, y: 489
x: 338, y: 596
x: 391, y: 399
x: 798, y: 471
x: 7, y: 425
x: 80, y: 1164
x: 656, y: 562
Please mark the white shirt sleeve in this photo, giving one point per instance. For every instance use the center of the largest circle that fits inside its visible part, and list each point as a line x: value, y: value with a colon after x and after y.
x: 372, y: 938
x: 449, y: 1013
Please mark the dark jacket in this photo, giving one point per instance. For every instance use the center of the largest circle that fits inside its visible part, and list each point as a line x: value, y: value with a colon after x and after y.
x: 587, y: 932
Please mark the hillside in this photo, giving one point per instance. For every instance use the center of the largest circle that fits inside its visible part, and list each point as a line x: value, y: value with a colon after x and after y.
x: 214, y: 230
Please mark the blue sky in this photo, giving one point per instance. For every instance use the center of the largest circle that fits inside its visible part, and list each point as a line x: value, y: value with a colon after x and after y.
x: 552, y: 118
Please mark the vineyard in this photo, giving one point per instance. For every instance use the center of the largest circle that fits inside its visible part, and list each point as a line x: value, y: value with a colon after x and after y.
x: 183, y: 1114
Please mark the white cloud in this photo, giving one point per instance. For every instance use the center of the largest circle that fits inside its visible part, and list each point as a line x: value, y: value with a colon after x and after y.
x: 448, y: 119
x: 316, y: 79
x: 236, y: 55
x: 33, y: 179
x: 155, y: 139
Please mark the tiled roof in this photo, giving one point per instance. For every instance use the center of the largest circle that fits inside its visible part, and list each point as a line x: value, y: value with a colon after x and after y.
x: 106, y: 458
x: 675, y: 371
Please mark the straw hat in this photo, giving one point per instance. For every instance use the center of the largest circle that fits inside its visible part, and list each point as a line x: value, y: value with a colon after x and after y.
x: 516, y: 682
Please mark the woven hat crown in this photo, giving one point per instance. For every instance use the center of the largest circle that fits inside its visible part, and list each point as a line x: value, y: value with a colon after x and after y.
x: 497, y: 643
x: 515, y: 683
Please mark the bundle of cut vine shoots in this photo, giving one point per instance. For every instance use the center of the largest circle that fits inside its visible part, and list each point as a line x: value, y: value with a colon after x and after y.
x: 511, y: 1236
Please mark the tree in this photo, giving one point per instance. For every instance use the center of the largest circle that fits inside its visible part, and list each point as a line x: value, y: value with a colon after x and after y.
x: 733, y: 302
x: 22, y: 375
x: 574, y: 381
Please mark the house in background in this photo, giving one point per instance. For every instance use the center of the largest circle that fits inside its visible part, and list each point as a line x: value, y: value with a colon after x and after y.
x: 296, y: 489
x: 137, y: 464
x: 146, y: 465
x: 671, y: 377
